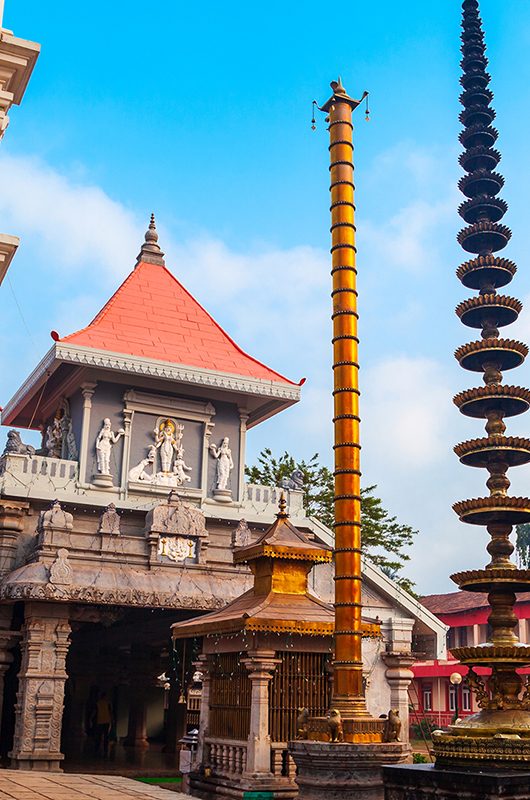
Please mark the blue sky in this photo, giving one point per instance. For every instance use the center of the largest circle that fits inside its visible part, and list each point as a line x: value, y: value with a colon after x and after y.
x: 202, y: 115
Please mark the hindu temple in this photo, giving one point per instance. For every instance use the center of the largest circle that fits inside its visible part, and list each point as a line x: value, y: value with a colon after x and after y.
x: 126, y: 521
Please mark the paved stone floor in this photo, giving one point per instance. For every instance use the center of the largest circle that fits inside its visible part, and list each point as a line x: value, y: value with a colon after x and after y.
x: 19, y: 785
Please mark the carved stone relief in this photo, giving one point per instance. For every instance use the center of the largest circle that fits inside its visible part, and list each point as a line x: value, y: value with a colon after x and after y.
x: 242, y: 535
x: 15, y: 445
x: 55, y: 517
x: 109, y: 521
x: 176, y: 548
x: 169, y: 451
x: 60, y: 570
x: 174, y: 516
x: 58, y: 437
x: 175, y: 529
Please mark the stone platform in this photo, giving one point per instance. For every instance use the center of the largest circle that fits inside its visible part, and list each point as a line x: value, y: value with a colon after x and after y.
x: 425, y: 782
x: 343, y: 771
x: 20, y: 785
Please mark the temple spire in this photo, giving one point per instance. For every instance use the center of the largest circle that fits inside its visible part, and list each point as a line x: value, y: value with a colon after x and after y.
x: 150, y: 251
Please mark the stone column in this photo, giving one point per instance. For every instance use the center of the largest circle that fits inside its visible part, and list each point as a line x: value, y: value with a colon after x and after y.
x: 203, y: 665
x: 8, y: 640
x: 40, y: 699
x: 137, y: 725
x: 88, y: 390
x: 243, y: 418
x: 12, y: 515
x: 127, y: 422
x: 140, y: 678
x: 208, y: 428
x: 399, y: 675
x: 261, y: 665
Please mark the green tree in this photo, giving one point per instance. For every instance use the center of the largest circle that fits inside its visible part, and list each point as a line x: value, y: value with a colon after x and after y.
x: 522, y: 545
x: 383, y: 539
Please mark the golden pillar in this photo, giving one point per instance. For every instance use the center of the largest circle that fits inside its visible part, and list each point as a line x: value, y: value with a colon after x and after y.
x: 348, y: 692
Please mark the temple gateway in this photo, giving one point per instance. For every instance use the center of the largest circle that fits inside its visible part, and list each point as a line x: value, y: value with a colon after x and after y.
x: 126, y: 520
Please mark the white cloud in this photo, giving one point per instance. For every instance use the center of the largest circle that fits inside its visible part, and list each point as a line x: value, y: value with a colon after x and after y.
x: 406, y: 406
x: 406, y: 239
x: 72, y: 223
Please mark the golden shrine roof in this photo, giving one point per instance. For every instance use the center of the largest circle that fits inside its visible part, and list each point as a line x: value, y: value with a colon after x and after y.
x: 300, y: 613
x: 283, y: 540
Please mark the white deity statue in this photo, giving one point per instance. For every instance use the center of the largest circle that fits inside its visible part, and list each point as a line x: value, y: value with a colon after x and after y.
x: 106, y: 438
x: 139, y: 472
x: 180, y: 468
x: 168, y: 437
x: 225, y: 464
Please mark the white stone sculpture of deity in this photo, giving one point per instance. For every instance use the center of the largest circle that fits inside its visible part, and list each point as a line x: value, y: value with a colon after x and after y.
x: 139, y: 472
x: 180, y: 468
x: 106, y: 438
x: 225, y: 464
x: 168, y: 437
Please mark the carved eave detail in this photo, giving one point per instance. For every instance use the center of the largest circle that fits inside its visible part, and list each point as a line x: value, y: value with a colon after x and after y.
x: 82, y: 356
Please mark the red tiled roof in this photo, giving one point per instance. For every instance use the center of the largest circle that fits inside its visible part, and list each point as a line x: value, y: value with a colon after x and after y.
x: 453, y: 602
x: 152, y: 315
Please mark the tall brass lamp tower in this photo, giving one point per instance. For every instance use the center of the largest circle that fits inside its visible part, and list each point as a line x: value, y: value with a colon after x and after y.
x: 499, y: 734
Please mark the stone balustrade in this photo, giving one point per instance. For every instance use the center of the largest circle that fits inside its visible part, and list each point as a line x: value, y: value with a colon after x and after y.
x: 263, y: 498
x: 21, y: 473
x: 228, y: 757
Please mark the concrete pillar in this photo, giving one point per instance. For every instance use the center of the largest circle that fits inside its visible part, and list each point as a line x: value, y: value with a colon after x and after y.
x: 40, y: 699
x: 261, y: 665
x: 88, y: 390
x: 12, y: 515
x: 399, y: 675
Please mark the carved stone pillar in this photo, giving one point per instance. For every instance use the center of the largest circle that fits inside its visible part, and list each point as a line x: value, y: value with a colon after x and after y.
x: 243, y: 418
x: 40, y: 699
x: 203, y: 665
x: 12, y: 515
x: 88, y: 390
x: 8, y: 640
x: 261, y: 665
x: 399, y: 675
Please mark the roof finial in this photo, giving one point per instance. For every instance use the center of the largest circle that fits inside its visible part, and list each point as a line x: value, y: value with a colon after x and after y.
x: 150, y: 251
x: 282, y: 505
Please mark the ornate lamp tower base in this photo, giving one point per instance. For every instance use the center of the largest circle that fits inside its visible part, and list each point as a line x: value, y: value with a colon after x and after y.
x: 343, y: 754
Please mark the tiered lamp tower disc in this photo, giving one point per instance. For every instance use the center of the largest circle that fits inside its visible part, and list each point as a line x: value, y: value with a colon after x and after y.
x: 499, y: 734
